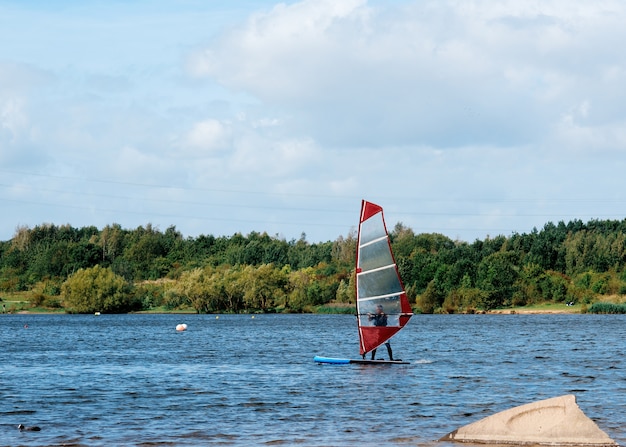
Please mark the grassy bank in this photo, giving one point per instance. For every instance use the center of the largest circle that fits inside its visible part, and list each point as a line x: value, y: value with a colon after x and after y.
x: 543, y: 308
x: 31, y: 302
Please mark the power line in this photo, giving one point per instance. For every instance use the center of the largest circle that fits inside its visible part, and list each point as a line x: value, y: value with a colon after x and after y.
x: 465, y: 200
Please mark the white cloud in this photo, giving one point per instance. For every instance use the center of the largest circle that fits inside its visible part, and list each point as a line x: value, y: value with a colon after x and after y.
x: 576, y: 136
x: 275, y: 158
x: 18, y: 84
x: 13, y: 118
x: 134, y: 165
x: 208, y: 136
x: 443, y: 73
x: 282, y: 48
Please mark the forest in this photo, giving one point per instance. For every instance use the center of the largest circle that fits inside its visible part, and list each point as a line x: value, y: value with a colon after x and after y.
x: 115, y: 270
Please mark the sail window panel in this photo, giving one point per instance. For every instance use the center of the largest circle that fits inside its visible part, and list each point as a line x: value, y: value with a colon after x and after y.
x: 391, y: 306
x: 378, y: 283
x: 392, y: 320
x: 375, y: 255
x: 372, y: 229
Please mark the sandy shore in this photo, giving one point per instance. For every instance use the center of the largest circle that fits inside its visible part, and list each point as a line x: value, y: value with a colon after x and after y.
x: 534, y: 311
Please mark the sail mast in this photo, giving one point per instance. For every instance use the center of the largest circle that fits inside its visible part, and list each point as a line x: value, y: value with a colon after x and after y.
x: 378, y: 283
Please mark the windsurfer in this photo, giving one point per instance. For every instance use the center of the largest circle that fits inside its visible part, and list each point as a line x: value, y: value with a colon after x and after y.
x: 380, y: 319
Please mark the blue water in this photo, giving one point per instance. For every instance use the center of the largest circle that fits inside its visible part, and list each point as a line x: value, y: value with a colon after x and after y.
x: 133, y: 380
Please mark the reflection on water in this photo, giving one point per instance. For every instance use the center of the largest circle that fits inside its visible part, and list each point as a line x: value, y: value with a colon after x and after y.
x: 135, y: 380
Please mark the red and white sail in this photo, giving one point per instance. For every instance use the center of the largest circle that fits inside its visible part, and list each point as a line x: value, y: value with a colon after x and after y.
x: 377, y: 281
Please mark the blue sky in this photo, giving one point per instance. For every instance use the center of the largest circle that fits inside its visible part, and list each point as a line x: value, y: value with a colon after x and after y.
x: 466, y: 118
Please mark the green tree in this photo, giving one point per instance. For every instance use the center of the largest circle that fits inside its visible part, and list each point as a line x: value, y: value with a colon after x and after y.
x: 497, y: 274
x: 299, y: 282
x: 233, y: 288
x: 547, y: 249
x: 403, y: 241
x: 145, y: 246
x: 203, y: 288
x: 346, y: 292
x: 264, y: 286
x: 343, y: 250
x: 528, y: 285
x: 423, y: 265
x: 431, y: 299
x: 98, y: 289
x: 111, y: 242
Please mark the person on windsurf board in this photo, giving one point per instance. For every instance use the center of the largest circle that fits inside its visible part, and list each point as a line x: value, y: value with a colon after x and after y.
x: 380, y: 319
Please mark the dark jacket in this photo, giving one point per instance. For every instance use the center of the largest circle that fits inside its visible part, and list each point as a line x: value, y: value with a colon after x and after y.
x: 379, y: 319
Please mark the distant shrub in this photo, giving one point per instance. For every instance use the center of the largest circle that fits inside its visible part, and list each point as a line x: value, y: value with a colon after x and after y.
x: 37, y: 299
x: 607, y: 308
x: 330, y: 309
x: 98, y: 289
x: 52, y: 303
x: 584, y: 309
x: 601, y: 286
x: 174, y: 300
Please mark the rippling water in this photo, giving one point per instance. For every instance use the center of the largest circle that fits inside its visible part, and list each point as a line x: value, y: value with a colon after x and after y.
x: 237, y: 380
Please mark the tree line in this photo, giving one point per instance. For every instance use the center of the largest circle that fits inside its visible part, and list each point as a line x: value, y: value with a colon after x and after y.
x: 120, y: 270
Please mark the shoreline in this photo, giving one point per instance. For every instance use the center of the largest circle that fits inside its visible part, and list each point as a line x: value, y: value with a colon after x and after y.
x: 516, y: 311
x: 532, y: 312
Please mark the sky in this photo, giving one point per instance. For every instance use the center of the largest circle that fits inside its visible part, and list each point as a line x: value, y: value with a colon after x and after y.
x: 466, y: 118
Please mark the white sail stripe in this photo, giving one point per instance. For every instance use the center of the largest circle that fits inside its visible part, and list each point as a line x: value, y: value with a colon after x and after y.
x: 373, y: 241
x: 369, y: 298
x: 377, y: 269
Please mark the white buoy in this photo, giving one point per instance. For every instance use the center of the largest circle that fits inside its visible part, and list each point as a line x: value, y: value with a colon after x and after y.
x: 217, y: 317
x: 181, y: 327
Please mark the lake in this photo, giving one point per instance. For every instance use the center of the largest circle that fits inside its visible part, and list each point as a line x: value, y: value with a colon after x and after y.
x: 238, y: 380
